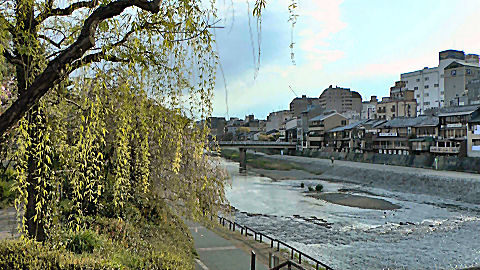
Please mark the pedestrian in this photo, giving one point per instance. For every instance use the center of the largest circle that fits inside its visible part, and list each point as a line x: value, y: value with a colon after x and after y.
x: 332, y: 159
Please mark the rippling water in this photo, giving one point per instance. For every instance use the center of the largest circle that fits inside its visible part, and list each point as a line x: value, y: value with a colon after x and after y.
x: 435, y: 233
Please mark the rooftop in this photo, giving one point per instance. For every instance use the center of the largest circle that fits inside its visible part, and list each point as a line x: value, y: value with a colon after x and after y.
x: 322, y: 117
x: 458, y: 110
x: 419, y: 121
x: 347, y: 127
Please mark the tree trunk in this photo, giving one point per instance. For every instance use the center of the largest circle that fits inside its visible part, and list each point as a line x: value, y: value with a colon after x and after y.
x: 25, y: 17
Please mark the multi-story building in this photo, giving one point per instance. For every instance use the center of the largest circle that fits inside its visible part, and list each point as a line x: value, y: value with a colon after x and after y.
x: 397, y: 135
x: 473, y: 136
x: 298, y: 105
x: 276, y: 119
x: 429, y: 83
x: 452, y: 136
x: 302, y: 124
x: 457, y: 76
x: 341, y: 100
x: 347, y: 138
x: 369, y: 108
x: 401, y: 103
x: 319, y: 125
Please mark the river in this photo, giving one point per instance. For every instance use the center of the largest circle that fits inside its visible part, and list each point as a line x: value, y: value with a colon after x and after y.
x: 427, y: 232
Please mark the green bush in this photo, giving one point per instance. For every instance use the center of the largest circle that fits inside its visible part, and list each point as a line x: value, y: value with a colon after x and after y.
x: 302, y: 185
x: 319, y: 188
x: 310, y: 189
x: 80, y: 242
x: 17, y: 254
x: 7, y: 196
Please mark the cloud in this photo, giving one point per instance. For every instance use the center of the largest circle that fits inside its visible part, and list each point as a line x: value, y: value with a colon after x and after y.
x: 318, y: 21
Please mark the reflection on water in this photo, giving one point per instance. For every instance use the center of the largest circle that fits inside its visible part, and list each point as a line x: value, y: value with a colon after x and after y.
x: 426, y: 233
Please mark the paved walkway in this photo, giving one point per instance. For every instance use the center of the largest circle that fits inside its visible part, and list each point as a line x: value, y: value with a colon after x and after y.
x: 8, y: 223
x: 218, y: 253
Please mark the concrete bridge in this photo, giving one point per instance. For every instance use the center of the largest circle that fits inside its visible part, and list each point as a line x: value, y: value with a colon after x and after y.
x: 244, y: 145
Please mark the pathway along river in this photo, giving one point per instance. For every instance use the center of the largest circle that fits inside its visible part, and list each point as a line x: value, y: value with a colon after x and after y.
x: 425, y: 233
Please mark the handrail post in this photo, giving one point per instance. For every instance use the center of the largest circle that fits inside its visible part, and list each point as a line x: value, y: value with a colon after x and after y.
x: 292, y: 254
x: 271, y: 243
x: 278, y: 245
x: 252, y: 263
x: 260, y: 238
x: 299, y: 257
x: 269, y: 259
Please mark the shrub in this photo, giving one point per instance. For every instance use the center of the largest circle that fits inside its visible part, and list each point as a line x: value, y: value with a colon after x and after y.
x: 6, y: 195
x: 319, y: 188
x: 80, y: 242
x: 310, y: 189
x: 302, y: 185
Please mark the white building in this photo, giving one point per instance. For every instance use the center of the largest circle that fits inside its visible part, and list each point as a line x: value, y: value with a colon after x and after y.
x: 428, y: 83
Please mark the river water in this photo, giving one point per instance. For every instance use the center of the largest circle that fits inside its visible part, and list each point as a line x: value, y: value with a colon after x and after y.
x: 425, y: 233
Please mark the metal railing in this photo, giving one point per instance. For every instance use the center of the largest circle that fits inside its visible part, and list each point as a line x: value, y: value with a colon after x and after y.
x: 258, y: 236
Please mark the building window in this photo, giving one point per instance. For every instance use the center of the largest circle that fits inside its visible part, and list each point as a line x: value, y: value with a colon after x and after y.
x: 442, y: 92
x: 415, y: 88
x: 344, y: 122
x: 426, y: 78
x: 453, y: 72
x: 426, y: 103
x: 468, y: 71
x: 427, y: 94
x: 418, y: 80
x: 426, y: 86
x: 435, y: 85
x: 418, y: 95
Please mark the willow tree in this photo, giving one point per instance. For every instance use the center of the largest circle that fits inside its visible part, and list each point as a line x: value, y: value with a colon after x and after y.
x: 161, y: 49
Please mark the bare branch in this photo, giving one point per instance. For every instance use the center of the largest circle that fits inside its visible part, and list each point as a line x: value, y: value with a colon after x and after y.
x: 96, y: 57
x: 12, y: 59
x: 51, y: 41
x: 49, y: 12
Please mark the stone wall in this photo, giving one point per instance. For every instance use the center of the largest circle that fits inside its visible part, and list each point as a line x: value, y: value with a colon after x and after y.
x: 448, y: 163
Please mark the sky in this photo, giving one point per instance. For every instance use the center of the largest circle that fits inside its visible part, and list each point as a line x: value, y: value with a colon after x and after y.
x: 363, y: 45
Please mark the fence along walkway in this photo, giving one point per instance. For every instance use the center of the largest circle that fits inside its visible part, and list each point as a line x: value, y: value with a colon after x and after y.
x: 232, y: 225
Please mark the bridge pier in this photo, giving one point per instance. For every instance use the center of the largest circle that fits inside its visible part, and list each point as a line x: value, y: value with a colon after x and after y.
x: 243, y: 159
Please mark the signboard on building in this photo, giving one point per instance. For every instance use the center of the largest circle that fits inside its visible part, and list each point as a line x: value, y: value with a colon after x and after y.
x: 389, y: 134
x: 456, y: 125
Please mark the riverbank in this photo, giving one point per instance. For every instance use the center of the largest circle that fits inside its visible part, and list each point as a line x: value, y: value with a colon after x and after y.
x: 456, y: 186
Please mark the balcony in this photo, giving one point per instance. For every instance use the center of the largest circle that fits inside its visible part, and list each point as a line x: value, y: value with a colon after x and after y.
x: 444, y: 150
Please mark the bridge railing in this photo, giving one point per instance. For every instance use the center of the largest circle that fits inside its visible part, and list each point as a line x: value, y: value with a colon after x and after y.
x: 274, y: 243
x: 255, y: 143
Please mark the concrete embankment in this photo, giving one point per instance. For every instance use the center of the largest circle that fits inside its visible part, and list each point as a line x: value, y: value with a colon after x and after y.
x: 450, y: 185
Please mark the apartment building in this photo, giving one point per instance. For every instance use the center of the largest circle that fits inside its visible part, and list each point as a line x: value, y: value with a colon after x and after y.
x: 342, y: 100
x: 428, y: 84
x: 457, y: 76
x: 400, y: 103
x: 298, y: 105
x: 276, y: 119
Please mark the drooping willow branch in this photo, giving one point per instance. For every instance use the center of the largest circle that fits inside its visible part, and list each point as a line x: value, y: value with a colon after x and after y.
x: 58, y: 66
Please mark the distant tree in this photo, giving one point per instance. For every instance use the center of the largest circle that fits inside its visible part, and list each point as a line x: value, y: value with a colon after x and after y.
x: 244, y: 131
